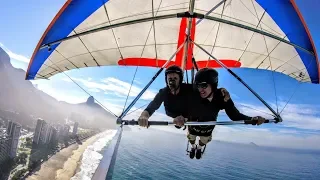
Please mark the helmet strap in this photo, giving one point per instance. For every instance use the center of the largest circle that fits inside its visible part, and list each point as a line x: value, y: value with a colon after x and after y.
x: 175, y: 89
x: 209, y: 94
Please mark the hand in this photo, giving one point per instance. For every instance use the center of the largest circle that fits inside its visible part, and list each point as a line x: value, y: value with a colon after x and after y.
x: 143, y: 119
x: 258, y: 120
x: 225, y: 94
x: 179, y: 121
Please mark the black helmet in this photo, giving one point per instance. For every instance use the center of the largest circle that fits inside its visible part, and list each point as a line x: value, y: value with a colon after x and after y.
x: 207, y: 75
x: 174, y: 69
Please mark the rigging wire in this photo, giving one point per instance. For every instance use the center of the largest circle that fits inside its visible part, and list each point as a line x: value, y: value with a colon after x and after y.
x: 61, y: 71
x: 135, y: 73
x: 274, y: 83
x: 187, y: 76
x: 216, y: 37
x: 257, y: 109
x: 200, y: 20
x: 130, y: 88
x: 137, y: 109
x: 265, y: 42
x: 245, y: 50
x: 297, y: 87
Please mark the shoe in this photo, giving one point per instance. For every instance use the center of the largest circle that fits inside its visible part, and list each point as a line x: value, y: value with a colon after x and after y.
x: 198, y: 153
x: 192, y: 153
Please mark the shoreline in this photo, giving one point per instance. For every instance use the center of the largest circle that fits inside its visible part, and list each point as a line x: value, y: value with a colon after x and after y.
x: 78, y: 169
x: 72, y: 165
x: 67, y: 162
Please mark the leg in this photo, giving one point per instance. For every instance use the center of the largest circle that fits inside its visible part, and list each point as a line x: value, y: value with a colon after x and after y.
x: 192, y: 140
x: 205, y: 140
x: 202, y: 142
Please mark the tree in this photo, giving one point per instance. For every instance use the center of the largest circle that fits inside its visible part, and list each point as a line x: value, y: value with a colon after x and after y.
x: 21, y: 158
x: 28, y: 142
x: 19, y: 174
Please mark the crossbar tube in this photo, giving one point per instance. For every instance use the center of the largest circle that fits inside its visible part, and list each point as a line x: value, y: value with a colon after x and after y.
x: 168, y: 16
x: 196, y: 123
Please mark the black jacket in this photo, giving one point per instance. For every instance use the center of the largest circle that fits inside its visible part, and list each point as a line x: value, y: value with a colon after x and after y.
x: 203, y: 110
x: 175, y: 105
x: 189, y: 104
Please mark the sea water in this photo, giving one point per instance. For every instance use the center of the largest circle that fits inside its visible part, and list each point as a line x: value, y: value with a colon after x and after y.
x: 161, y: 155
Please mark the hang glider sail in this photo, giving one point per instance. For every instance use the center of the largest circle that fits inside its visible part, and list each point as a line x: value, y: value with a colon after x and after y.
x: 147, y: 33
x: 188, y: 33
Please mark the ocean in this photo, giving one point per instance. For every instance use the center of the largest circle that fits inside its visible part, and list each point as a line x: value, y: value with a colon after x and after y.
x: 155, y: 154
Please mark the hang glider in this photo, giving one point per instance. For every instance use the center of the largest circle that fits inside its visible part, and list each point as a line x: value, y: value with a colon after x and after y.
x: 274, y: 35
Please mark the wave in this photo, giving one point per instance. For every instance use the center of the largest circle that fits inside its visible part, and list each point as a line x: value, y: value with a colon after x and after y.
x: 93, y: 155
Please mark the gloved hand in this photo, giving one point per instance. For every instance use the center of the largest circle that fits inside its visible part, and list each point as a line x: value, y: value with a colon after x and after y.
x: 225, y: 94
x: 143, y: 119
x: 258, y: 120
x: 179, y: 121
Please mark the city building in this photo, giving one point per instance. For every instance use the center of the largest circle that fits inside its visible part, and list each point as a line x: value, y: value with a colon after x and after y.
x: 13, y: 132
x: 66, y: 129
x: 44, y: 132
x: 37, y: 133
x: 75, y: 128
x: 59, y: 129
x: 53, y: 135
x: 4, y: 147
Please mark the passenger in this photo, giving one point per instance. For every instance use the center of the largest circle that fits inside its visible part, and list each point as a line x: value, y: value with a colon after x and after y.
x: 206, y: 105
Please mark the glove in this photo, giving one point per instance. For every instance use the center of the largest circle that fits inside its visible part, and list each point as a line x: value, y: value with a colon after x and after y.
x: 258, y: 120
x: 225, y: 94
x: 143, y: 119
x: 179, y: 121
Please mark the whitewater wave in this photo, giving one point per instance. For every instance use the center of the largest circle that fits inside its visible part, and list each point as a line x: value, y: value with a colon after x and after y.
x: 93, y: 155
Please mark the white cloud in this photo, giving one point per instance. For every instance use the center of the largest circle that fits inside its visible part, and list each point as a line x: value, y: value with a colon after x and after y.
x: 302, y: 116
x: 124, y: 87
x: 264, y: 137
x: 286, y: 131
x: 60, y: 96
x: 94, y: 90
x: 234, y: 96
x: 66, y: 79
x: 114, y: 86
x: 137, y: 80
x: 15, y: 56
x: 89, y: 79
x: 114, y: 108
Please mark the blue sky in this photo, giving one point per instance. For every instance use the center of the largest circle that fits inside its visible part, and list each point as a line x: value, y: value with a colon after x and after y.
x: 25, y: 23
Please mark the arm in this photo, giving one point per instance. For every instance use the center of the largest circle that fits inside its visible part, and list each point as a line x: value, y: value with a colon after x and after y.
x: 155, y: 103
x: 233, y: 113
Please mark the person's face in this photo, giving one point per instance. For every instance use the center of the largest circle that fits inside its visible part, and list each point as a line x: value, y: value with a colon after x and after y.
x: 204, y: 89
x: 173, y: 80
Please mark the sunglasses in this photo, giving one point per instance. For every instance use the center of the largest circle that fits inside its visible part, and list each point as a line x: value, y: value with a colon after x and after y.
x: 202, y: 85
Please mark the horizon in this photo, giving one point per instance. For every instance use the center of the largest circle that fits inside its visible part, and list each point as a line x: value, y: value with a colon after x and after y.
x: 110, y: 85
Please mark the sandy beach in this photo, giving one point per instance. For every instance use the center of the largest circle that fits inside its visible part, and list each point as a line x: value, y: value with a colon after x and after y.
x: 64, y: 164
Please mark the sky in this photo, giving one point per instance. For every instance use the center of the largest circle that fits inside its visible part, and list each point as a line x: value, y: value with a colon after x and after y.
x: 25, y: 23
